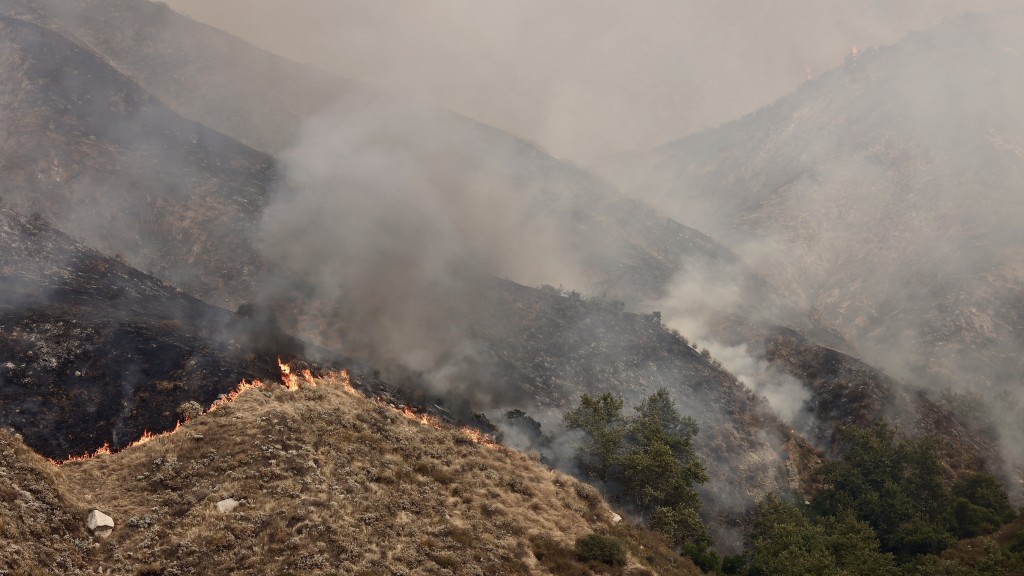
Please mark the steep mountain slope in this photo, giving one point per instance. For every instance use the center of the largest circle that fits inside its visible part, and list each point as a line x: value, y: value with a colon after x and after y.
x: 201, y: 72
x: 327, y: 482
x: 124, y: 174
x: 885, y: 195
x: 186, y: 201
x: 503, y: 191
x: 107, y: 163
x: 93, y: 352
x: 845, y: 391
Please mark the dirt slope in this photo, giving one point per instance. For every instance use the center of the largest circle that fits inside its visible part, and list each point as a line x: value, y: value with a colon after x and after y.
x: 329, y: 482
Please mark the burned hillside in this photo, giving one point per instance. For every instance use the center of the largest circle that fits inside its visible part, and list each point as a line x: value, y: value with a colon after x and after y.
x: 93, y: 352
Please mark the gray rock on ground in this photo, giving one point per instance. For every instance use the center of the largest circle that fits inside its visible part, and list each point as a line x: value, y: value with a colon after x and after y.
x: 227, y: 505
x: 99, y: 524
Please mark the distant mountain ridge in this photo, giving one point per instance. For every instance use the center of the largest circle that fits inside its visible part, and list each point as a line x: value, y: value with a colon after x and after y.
x: 885, y: 196
x: 95, y: 150
x: 124, y: 174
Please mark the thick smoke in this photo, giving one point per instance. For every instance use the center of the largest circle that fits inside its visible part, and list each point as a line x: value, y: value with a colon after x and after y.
x: 694, y: 303
x: 361, y: 223
x: 392, y: 212
x: 585, y: 79
x: 885, y: 197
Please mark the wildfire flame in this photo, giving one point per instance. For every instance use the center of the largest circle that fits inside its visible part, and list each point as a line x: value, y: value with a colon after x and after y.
x: 480, y: 438
x: 101, y: 451
x: 291, y: 381
x: 342, y: 379
x: 854, y: 52
x: 147, y: 435
x: 471, y: 434
x: 230, y: 396
x: 424, y: 419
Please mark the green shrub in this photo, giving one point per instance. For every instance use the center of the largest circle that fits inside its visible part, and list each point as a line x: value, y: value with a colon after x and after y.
x: 981, y: 505
x: 705, y: 558
x: 1017, y: 544
x: 598, y: 548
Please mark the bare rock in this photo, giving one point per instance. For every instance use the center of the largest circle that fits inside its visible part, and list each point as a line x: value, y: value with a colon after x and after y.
x: 227, y: 505
x: 99, y: 524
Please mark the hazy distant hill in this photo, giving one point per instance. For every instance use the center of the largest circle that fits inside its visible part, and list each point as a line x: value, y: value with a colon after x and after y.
x: 93, y: 153
x: 885, y: 195
x: 106, y: 162
x: 513, y: 191
x: 203, y: 73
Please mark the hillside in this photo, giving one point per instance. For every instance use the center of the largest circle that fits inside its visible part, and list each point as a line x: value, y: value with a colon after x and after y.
x: 882, y: 195
x: 327, y: 482
x: 203, y: 73
x: 104, y: 161
x: 384, y: 230
x: 516, y: 201
x: 94, y: 352
x: 126, y: 175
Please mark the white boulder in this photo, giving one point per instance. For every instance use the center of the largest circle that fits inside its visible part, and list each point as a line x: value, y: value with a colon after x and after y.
x: 227, y: 505
x: 99, y: 524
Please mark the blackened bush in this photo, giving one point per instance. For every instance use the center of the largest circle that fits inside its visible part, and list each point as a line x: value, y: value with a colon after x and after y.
x: 605, y: 549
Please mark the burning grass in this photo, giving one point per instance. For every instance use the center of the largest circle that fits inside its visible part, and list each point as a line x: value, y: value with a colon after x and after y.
x: 329, y: 481
x: 292, y: 382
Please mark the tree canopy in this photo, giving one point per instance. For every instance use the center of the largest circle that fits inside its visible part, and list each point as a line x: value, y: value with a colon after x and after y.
x: 646, y: 460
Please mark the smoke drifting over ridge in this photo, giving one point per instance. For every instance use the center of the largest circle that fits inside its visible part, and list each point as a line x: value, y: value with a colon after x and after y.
x: 886, y: 197
x: 390, y: 214
x: 394, y: 217
x: 585, y: 79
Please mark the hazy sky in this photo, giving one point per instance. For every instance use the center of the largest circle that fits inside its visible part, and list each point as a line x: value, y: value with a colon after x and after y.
x: 584, y: 78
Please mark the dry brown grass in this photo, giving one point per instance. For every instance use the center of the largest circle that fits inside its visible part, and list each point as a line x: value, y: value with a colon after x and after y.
x: 330, y: 483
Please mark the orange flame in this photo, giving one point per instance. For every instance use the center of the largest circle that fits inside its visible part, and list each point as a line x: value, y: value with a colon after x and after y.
x: 291, y: 381
x: 480, y: 438
x: 471, y: 434
x: 230, y: 396
x: 346, y: 384
x: 424, y: 419
x: 147, y: 436
x: 101, y: 451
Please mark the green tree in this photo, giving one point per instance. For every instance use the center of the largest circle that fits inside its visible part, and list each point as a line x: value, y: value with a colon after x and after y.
x: 980, y: 505
x: 660, y: 468
x: 896, y: 487
x: 600, y: 419
x: 785, y: 542
x: 648, y: 460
